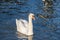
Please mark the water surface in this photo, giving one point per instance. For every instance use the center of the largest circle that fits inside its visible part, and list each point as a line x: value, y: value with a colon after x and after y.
x: 45, y: 28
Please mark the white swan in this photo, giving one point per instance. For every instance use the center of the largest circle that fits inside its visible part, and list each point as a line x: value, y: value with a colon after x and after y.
x: 25, y: 27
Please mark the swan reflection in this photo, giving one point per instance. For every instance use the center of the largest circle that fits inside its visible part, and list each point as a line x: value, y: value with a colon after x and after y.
x: 21, y: 36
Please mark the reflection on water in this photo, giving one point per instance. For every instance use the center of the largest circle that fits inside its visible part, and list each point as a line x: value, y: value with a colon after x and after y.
x: 24, y: 37
x: 48, y: 13
x: 30, y: 37
x: 48, y: 10
x: 48, y: 7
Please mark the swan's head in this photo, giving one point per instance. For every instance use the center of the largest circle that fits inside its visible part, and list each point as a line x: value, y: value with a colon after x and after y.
x: 32, y: 16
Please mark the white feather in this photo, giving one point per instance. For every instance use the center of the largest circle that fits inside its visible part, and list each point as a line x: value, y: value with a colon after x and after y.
x: 22, y: 26
x: 25, y: 27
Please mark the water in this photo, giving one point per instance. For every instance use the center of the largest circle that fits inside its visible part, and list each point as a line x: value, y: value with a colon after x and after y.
x: 46, y: 25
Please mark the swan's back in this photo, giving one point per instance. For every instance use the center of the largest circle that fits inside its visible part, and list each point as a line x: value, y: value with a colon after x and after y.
x: 22, y: 26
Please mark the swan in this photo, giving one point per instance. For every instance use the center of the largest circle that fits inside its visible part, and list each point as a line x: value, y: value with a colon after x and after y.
x: 25, y: 27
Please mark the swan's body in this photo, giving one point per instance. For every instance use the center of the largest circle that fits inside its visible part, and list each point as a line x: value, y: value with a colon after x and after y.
x: 25, y: 27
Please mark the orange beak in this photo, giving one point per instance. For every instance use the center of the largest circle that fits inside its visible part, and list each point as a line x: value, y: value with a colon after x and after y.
x: 33, y: 17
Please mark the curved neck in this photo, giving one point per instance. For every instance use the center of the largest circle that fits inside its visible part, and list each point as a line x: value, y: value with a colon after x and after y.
x: 30, y: 20
x: 30, y: 28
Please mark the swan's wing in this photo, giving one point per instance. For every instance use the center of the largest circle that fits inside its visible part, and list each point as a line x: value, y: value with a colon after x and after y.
x: 24, y: 23
x: 22, y: 26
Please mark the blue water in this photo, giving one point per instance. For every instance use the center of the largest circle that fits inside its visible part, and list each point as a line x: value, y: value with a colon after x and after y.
x: 47, y: 28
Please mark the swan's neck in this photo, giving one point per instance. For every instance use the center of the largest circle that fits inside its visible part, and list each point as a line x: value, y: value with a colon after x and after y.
x: 30, y: 28
x: 30, y: 22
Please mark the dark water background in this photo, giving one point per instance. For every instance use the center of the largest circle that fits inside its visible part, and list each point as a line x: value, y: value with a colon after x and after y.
x: 45, y: 28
